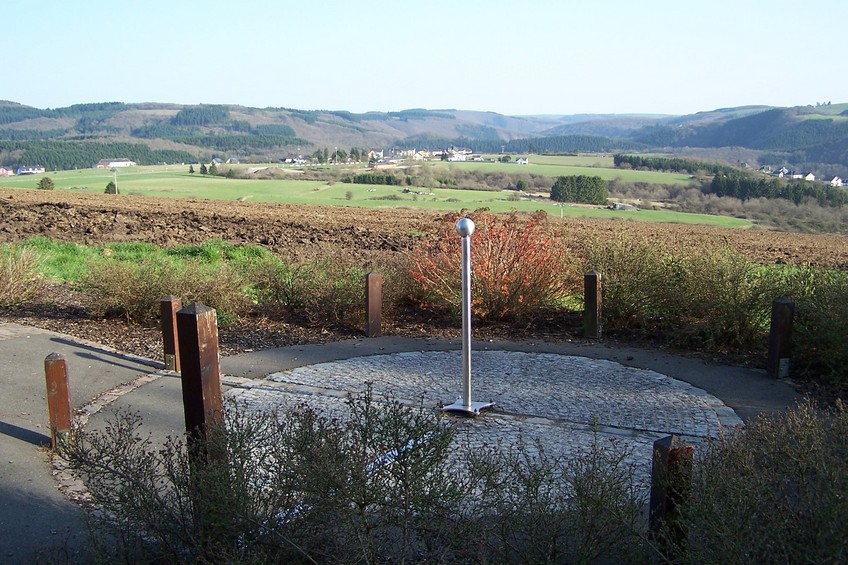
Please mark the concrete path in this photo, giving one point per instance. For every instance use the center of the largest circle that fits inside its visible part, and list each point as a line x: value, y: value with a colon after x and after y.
x: 41, y: 521
x: 37, y: 519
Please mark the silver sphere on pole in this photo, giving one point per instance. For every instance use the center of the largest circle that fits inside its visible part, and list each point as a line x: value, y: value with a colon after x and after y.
x: 465, y: 227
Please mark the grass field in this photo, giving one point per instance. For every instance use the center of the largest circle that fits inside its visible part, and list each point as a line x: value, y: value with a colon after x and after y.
x: 175, y: 182
x: 556, y: 166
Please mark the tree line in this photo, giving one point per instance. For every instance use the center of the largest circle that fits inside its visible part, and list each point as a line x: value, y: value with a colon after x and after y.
x: 235, y: 143
x: 561, y: 144
x: 61, y: 155
x: 11, y: 113
x: 744, y: 187
x: 373, y: 178
x: 580, y: 188
x: 675, y: 164
x: 202, y: 115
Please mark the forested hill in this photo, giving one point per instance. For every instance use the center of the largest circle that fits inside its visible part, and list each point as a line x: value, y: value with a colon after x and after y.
x: 808, y: 137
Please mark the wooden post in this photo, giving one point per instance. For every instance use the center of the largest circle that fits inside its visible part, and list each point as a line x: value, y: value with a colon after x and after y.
x: 780, y: 337
x: 592, y: 305
x: 58, y: 398
x: 373, y: 304
x: 168, y: 307
x: 197, y: 330
x: 671, y: 481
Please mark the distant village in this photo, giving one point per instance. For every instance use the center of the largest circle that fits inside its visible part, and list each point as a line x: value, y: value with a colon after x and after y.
x: 783, y: 172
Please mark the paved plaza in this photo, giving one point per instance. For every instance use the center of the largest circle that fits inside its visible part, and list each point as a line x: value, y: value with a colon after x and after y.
x: 566, y: 402
x: 568, y: 395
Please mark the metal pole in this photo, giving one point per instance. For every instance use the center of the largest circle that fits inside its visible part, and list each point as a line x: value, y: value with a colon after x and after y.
x: 466, y: 312
x: 465, y: 227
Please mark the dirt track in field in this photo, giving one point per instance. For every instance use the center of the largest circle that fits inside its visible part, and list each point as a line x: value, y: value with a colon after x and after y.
x: 307, y: 231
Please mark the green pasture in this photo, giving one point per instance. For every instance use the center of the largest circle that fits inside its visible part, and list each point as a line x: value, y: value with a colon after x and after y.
x: 560, y: 167
x: 175, y: 182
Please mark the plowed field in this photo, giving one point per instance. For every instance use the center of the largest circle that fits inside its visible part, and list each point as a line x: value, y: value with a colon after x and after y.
x: 307, y: 231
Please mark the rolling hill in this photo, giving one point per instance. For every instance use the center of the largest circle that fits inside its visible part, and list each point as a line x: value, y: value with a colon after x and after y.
x: 807, y: 137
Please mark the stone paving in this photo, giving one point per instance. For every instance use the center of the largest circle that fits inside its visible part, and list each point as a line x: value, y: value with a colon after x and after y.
x: 568, y: 403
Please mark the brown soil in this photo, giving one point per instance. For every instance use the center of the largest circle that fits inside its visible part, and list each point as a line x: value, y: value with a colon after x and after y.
x: 307, y: 232
x: 311, y: 230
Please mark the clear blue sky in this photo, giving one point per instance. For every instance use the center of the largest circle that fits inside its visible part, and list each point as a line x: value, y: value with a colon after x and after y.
x: 526, y: 57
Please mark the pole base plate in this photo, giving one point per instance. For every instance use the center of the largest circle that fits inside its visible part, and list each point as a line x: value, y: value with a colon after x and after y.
x: 473, y: 410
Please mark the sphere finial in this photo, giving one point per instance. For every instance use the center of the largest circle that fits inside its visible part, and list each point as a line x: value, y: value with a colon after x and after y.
x: 465, y: 227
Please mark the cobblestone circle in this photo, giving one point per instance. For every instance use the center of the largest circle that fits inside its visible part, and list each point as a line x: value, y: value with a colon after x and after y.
x: 568, y: 403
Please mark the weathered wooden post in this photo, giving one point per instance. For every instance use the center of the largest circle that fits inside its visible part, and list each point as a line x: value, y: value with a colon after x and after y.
x: 671, y: 481
x: 373, y: 304
x: 58, y: 398
x: 780, y: 337
x: 168, y: 307
x: 197, y: 330
x: 592, y: 305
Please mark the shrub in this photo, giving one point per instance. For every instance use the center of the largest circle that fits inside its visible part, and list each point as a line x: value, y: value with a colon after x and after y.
x: 726, y: 300
x: 517, y: 268
x: 773, y: 491
x: 710, y: 297
x: 325, y: 291
x: 377, y: 484
x: 20, y: 279
x: 46, y: 183
x: 820, y: 330
x: 545, y: 509
x: 134, y: 289
x: 639, y: 278
x: 297, y: 487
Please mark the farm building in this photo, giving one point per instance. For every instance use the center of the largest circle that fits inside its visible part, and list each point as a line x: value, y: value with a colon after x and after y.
x: 114, y: 163
x: 36, y: 170
x: 4, y: 172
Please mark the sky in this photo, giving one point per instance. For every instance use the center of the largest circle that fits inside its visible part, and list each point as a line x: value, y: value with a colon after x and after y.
x: 516, y: 58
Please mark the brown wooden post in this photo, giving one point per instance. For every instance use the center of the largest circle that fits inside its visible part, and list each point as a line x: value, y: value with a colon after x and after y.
x: 373, y: 304
x: 168, y: 307
x: 58, y: 398
x: 592, y: 305
x: 780, y: 337
x: 197, y: 330
x: 671, y: 481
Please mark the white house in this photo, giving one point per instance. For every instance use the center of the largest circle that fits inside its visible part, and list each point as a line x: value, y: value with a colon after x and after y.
x: 115, y: 163
x: 295, y: 159
x: 37, y: 170
x: 523, y: 161
x: 810, y: 177
x: 836, y: 181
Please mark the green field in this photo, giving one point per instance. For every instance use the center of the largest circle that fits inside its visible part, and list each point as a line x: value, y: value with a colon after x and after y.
x: 561, y: 166
x: 175, y: 182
